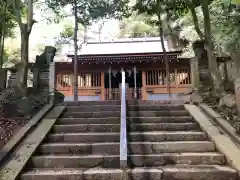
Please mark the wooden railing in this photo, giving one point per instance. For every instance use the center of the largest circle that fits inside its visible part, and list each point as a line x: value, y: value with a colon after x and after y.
x: 123, y: 130
x: 156, y: 81
x: 89, y: 84
x: 92, y: 79
x: 178, y: 76
x: 116, y: 93
x: 64, y: 83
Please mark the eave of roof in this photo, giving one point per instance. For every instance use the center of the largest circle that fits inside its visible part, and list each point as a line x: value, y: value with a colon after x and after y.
x: 152, y: 54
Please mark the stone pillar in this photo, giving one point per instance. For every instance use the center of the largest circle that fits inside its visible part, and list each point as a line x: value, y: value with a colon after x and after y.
x: 237, y: 93
x: 52, y: 82
x: 3, y: 78
x: 194, y: 73
x: 36, y: 77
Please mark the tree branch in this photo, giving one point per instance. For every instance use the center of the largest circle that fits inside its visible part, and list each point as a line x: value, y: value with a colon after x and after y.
x: 195, y: 19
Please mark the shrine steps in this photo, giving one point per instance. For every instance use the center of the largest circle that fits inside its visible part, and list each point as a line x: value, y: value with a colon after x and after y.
x: 164, y: 143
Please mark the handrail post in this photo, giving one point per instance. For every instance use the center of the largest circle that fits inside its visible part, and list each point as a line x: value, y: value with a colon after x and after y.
x: 123, y: 130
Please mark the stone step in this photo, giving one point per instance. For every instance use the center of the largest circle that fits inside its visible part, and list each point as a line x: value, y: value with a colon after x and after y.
x: 72, y: 174
x: 209, y: 172
x: 155, y: 102
x: 96, y: 120
x: 86, y: 103
x: 93, y: 114
x: 91, y: 108
x: 116, y: 120
x: 157, y: 113
x: 112, y: 148
x: 198, y: 172
x: 129, y: 114
x: 153, y: 160
x: 73, y: 128
x: 129, y: 102
x: 154, y: 107
x: 156, y: 136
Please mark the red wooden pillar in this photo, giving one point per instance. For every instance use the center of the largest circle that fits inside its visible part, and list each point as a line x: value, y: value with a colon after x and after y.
x: 102, y: 87
x: 144, y: 92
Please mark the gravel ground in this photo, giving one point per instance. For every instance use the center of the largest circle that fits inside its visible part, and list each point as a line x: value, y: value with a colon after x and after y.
x: 8, y: 127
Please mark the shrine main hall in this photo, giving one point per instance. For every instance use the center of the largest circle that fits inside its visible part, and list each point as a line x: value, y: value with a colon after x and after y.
x: 100, y: 65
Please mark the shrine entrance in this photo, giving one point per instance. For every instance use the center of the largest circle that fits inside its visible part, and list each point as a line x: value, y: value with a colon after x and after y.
x: 113, y: 84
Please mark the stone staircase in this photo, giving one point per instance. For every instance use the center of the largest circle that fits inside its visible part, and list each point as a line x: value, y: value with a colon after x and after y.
x: 164, y: 143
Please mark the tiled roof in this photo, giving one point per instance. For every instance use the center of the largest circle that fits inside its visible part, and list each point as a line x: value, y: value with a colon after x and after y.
x: 134, y: 45
x: 120, y: 46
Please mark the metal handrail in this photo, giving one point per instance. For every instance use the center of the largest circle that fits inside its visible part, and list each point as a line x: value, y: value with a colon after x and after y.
x: 123, y: 133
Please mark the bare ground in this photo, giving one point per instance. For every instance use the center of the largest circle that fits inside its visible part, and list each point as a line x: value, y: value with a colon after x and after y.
x: 229, y: 114
x: 8, y: 127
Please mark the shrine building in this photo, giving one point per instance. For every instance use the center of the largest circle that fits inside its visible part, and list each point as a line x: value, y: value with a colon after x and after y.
x: 100, y: 65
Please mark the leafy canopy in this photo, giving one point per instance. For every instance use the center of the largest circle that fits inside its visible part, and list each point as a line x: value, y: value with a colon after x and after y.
x: 92, y: 10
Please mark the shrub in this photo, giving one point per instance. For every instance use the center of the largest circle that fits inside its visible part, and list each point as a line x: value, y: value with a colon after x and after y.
x: 59, y: 97
x: 14, y: 104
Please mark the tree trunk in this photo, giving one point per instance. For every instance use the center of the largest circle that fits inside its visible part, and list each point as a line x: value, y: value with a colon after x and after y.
x: 25, y: 28
x: 2, y: 35
x: 195, y: 19
x: 22, y: 72
x: 75, y: 85
x: 161, y: 34
x: 2, y: 50
x: 212, y: 60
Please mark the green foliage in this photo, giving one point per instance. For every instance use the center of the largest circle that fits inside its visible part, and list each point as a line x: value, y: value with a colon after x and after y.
x: 11, y: 57
x: 228, y: 2
x: 7, y: 24
x: 167, y: 10
x: 7, y: 18
x: 92, y: 10
x: 226, y: 29
x: 235, y: 1
x: 176, y: 8
x: 137, y: 26
x: 225, y: 26
x: 12, y: 52
x: 68, y: 32
x: 66, y: 35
